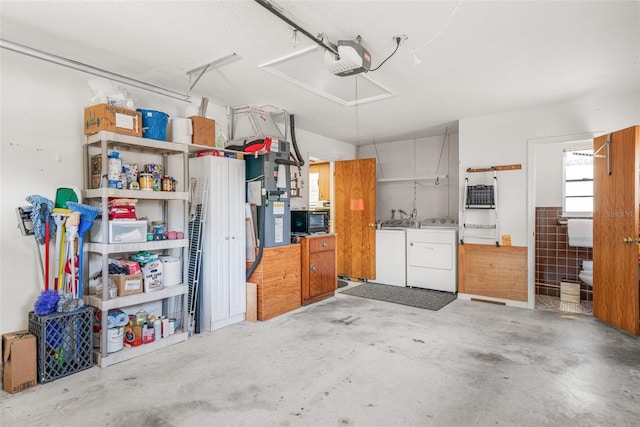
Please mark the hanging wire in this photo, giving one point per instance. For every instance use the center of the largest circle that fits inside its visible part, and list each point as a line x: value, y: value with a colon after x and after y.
x: 357, y: 115
x: 375, y: 147
x: 388, y: 57
x: 448, y: 166
x: 446, y: 132
x: 415, y: 184
x: 439, y: 33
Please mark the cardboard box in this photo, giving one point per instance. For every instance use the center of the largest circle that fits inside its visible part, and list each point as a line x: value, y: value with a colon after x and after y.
x: 129, y: 284
x: 204, y: 131
x: 20, y: 364
x: 113, y: 119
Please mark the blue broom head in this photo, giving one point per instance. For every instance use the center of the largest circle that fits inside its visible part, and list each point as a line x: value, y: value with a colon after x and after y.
x: 46, y: 303
x: 87, y: 215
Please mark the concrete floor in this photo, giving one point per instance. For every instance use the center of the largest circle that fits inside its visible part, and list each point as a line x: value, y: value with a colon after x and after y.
x: 353, y: 361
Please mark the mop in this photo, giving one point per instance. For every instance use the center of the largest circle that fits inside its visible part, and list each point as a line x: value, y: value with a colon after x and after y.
x: 42, y: 229
x: 87, y: 215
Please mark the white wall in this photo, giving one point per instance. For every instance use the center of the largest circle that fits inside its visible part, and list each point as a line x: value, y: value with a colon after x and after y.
x: 549, y: 175
x: 549, y: 168
x: 416, y: 158
x: 319, y: 147
x: 41, y: 149
x: 503, y: 139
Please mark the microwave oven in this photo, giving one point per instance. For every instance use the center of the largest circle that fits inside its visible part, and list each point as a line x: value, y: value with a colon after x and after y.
x: 309, y: 222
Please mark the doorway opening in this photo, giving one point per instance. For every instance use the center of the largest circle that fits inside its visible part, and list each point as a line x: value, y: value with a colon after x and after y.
x: 555, y: 265
x: 320, y: 187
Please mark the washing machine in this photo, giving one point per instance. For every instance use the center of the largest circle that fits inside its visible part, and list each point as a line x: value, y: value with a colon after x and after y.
x: 432, y: 255
x: 391, y: 251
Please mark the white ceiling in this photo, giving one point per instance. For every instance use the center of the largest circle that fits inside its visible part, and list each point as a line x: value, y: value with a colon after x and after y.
x: 488, y: 57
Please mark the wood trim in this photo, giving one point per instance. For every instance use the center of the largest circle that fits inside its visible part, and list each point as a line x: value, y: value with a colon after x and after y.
x: 492, y: 271
x: 496, y: 168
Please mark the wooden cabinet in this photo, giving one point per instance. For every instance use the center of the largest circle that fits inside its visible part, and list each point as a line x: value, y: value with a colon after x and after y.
x: 278, y: 280
x: 324, y: 179
x: 318, y: 268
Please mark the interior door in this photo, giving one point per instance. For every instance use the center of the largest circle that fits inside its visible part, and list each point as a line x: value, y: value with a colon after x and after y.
x: 615, y: 231
x: 355, y: 217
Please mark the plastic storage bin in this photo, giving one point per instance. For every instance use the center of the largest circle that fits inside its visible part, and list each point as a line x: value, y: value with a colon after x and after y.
x: 154, y: 124
x: 121, y: 231
x: 65, y: 343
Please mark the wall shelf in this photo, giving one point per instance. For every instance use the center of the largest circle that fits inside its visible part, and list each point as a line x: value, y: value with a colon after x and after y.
x: 116, y: 248
x: 135, y: 194
x: 133, y: 143
x: 129, y: 300
x: 155, y: 151
x: 410, y: 179
x: 130, y: 352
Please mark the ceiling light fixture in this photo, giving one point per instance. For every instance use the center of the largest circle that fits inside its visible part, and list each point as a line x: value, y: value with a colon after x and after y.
x: 89, y: 69
x: 416, y: 60
x: 295, y: 39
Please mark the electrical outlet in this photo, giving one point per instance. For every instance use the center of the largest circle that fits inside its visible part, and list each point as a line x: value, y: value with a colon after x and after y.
x: 403, y: 38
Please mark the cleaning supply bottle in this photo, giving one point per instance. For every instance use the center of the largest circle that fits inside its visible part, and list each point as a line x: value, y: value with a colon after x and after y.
x: 157, y: 327
x: 114, y: 170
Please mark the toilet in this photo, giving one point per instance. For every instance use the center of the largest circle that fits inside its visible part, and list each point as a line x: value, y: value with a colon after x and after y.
x: 586, y: 274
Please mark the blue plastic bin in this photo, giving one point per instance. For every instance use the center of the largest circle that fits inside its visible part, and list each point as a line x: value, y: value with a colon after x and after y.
x: 154, y: 124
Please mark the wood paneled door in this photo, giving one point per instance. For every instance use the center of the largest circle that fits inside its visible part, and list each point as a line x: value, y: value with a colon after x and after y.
x: 355, y: 217
x: 615, y: 230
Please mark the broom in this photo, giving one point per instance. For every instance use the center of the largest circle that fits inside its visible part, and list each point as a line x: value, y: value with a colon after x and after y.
x: 87, y: 215
x: 71, y: 226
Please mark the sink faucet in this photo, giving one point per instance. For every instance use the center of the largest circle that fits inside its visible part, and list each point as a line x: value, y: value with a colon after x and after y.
x: 403, y: 213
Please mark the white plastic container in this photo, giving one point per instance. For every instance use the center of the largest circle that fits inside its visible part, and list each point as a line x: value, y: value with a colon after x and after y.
x: 115, y: 339
x: 171, y: 270
x: 152, y: 275
x: 120, y: 231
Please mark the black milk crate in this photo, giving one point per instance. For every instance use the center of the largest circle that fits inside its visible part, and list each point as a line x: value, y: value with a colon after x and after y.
x: 480, y: 196
x: 65, y: 342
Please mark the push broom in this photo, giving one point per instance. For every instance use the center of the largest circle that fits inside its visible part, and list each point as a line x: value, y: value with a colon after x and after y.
x: 87, y: 215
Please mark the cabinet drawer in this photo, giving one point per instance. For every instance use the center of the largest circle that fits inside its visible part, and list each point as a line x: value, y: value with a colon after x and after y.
x: 321, y: 244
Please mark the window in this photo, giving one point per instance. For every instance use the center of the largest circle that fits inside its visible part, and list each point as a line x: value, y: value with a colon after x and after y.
x: 578, y: 181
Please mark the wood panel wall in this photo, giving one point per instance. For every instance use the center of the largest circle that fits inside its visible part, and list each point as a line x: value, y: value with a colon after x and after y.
x: 498, y: 272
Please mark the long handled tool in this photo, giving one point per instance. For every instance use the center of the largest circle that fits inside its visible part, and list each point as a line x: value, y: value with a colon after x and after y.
x: 87, y: 215
x: 59, y: 217
x: 44, y: 213
x: 41, y: 221
x: 72, y: 232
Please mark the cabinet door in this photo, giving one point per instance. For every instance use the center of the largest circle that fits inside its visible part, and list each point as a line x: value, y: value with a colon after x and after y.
x: 218, y: 223
x: 237, y: 237
x: 322, y: 273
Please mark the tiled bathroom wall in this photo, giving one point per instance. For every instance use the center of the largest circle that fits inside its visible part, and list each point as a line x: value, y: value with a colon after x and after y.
x: 555, y: 259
